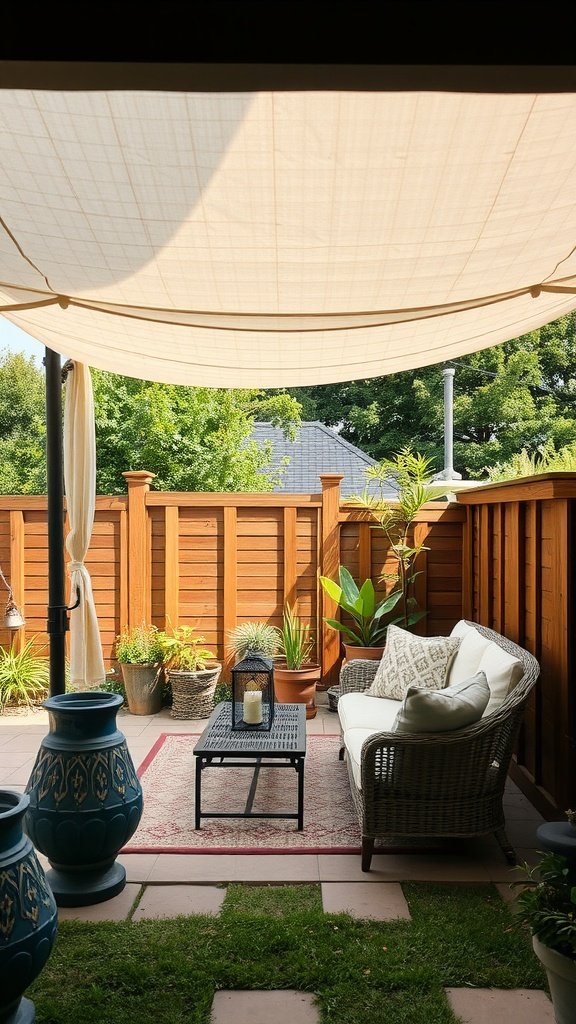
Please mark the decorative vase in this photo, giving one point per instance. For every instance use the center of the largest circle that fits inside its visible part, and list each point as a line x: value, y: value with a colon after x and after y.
x: 143, y: 685
x: 559, y: 837
x: 297, y: 686
x: 28, y: 914
x: 85, y: 798
x: 561, y: 974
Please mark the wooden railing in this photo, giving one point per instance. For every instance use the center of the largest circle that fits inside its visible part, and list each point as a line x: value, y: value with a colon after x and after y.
x: 213, y: 560
x: 519, y: 579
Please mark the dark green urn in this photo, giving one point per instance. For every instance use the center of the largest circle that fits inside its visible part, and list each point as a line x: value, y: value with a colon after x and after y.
x: 85, y: 798
x: 28, y: 914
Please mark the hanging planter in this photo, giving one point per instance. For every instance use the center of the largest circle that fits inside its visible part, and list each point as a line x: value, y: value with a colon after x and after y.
x: 85, y: 798
x: 28, y: 914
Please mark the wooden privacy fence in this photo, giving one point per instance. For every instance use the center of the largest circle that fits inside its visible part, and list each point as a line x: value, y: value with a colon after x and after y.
x: 519, y: 579
x: 213, y: 560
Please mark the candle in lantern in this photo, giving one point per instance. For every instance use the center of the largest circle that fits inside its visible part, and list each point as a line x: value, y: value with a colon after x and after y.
x: 253, y: 707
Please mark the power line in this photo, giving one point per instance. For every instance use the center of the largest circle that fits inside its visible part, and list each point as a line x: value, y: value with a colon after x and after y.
x: 537, y: 387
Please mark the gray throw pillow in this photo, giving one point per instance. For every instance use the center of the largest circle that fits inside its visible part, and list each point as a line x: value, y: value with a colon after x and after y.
x: 454, y: 707
x: 412, y: 660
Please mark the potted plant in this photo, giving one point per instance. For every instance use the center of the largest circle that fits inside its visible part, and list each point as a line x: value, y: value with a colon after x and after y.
x: 295, y: 676
x: 367, y: 633
x: 259, y: 637
x: 192, y: 672
x: 24, y: 675
x: 547, y: 904
x: 139, y: 652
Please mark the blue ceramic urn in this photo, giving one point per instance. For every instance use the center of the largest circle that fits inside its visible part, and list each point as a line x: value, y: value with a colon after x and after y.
x: 85, y: 798
x: 28, y: 914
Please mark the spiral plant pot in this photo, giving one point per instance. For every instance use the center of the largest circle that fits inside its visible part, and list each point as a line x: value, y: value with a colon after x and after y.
x: 28, y: 914
x: 561, y: 974
x: 85, y: 798
x: 143, y: 685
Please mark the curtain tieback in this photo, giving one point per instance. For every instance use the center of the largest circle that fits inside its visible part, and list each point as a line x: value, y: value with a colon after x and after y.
x: 75, y: 566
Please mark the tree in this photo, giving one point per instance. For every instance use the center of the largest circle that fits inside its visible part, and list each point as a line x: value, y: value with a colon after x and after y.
x: 519, y: 395
x: 195, y: 439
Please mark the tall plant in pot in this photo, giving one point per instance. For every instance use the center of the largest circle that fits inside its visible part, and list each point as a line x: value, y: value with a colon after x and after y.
x: 547, y: 904
x: 295, y: 676
x: 140, y: 653
x: 366, y: 635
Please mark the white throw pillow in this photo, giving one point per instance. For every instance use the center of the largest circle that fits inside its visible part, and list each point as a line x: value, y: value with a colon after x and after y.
x: 476, y: 653
x: 442, y: 710
x: 412, y: 660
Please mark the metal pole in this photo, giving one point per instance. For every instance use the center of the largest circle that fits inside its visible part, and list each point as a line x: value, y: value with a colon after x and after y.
x: 57, y: 612
x: 448, y: 375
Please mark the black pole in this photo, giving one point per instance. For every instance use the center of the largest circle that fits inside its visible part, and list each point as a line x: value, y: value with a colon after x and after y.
x: 57, y: 614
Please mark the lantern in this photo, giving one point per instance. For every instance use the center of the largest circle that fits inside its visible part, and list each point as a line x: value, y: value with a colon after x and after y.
x: 253, y: 693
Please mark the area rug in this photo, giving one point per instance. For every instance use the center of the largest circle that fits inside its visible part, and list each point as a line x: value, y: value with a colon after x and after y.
x: 167, y: 825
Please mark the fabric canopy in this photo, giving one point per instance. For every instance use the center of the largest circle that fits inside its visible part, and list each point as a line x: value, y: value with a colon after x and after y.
x: 86, y: 661
x: 277, y: 238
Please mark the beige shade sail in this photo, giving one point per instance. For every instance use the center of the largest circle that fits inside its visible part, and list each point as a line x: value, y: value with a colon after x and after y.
x: 86, y: 661
x: 285, y: 237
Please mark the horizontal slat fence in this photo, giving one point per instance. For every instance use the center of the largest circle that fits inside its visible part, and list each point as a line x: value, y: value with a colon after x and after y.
x: 518, y: 579
x: 214, y: 560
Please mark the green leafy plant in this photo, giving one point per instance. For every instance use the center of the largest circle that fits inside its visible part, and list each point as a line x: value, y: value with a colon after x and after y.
x: 24, y: 675
x: 411, y: 474
x: 547, y: 903
x: 182, y: 652
x: 361, y: 605
x: 254, y: 636
x: 222, y: 693
x: 140, y: 645
x: 296, y: 641
x: 545, y: 460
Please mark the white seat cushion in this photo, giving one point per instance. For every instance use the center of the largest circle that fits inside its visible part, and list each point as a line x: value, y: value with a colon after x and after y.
x: 358, y: 710
x: 354, y: 738
x: 478, y: 654
x: 454, y: 707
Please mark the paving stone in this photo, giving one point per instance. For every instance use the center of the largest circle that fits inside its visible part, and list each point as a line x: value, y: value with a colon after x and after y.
x: 174, y: 900
x: 487, y: 1005
x: 282, y: 1007
x: 380, y: 901
x: 116, y: 909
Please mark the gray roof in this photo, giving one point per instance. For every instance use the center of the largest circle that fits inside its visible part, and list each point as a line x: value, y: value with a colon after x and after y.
x: 317, y: 449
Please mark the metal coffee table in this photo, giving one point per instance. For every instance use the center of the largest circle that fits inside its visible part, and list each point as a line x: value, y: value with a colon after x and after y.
x: 284, y: 746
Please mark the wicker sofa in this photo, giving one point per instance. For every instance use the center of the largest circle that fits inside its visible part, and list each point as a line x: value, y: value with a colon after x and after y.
x: 420, y: 785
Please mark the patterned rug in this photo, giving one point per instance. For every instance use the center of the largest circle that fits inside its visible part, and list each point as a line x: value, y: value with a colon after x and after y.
x: 167, y: 825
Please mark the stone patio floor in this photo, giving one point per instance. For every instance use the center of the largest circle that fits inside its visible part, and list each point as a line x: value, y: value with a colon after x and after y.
x: 166, y: 885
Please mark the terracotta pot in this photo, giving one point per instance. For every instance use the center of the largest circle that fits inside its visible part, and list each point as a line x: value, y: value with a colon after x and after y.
x: 366, y: 653
x: 297, y: 686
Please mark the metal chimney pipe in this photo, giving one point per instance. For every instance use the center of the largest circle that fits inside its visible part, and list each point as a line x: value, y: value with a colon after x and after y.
x: 448, y: 473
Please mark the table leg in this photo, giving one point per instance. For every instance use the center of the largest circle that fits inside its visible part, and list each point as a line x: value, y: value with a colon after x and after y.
x: 198, y: 792
x: 300, y: 771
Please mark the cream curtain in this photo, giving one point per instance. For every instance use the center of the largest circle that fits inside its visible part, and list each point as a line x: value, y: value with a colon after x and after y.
x: 86, y: 661
x: 284, y: 237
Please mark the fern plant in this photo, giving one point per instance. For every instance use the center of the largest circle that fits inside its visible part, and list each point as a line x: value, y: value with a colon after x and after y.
x: 24, y: 675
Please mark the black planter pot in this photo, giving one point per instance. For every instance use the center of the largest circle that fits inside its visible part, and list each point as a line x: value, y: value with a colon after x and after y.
x: 559, y: 837
x: 28, y: 914
x: 85, y: 798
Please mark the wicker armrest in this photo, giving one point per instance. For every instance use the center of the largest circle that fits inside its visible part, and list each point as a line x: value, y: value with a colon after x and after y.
x: 357, y: 675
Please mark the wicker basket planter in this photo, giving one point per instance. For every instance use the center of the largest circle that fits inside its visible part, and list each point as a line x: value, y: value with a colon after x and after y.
x: 333, y: 693
x: 193, y: 692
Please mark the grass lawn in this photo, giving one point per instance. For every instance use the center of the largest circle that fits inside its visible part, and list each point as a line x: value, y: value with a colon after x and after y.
x: 273, y: 937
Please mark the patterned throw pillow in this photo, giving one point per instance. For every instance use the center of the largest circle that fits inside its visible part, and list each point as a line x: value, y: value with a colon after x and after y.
x: 410, y: 660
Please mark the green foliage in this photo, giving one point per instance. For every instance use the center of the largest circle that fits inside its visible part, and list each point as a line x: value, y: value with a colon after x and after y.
x: 140, y: 645
x: 24, y: 675
x: 193, y: 439
x: 545, y: 460
x: 223, y: 692
x: 182, y: 652
x: 548, y: 903
x: 296, y: 642
x: 361, y: 605
x: 514, y: 396
x: 254, y: 636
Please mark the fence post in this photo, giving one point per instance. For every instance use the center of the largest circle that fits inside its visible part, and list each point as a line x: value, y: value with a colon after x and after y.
x: 139, y: 574
x: 17, y: 571
x: 329, y: 564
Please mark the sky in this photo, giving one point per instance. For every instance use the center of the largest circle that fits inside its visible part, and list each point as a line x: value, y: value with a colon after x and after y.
x: 16, y: 340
